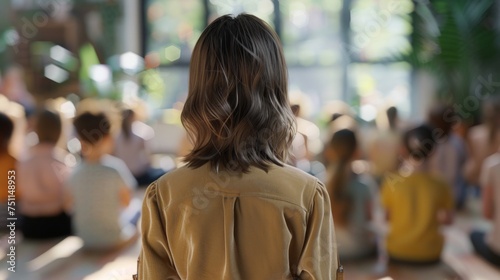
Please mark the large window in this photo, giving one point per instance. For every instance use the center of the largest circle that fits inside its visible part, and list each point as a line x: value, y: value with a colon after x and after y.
x: 329, y: 55
x: 379, y: 35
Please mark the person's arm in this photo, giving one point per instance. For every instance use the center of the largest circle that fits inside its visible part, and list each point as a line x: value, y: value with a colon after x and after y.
x: 488, y: 204
x: 486, y: 183
x: 385, y: 198
x: 125, y: 196
x: 155, y: 260
x: 445, y: 214
x: 319, y: 254
x: 445, y: 217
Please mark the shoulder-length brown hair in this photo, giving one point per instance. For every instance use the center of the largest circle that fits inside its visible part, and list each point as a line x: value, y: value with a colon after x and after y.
x: 237, y: 112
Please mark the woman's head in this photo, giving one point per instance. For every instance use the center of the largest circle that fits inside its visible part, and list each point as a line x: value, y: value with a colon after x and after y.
x: 343, y: 145
x: 419, y: 143
x: 237, y: 111
x: 128, y: 117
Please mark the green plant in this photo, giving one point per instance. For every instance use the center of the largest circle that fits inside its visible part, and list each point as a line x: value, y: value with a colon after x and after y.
x: 456, y: 41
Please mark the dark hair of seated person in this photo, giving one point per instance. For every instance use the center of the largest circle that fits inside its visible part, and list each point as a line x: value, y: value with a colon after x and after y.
x: 91, y: 127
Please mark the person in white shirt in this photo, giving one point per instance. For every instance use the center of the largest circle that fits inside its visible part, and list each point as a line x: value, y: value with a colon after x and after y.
x: 449, y: 157
x: 487, y: 244
x: 132, y: 148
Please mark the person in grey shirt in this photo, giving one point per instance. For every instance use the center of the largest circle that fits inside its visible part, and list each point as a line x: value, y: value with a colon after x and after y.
x: 99, y: 192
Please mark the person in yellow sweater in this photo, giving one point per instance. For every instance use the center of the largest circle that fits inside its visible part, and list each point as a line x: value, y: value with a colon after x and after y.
x: 416, y: 203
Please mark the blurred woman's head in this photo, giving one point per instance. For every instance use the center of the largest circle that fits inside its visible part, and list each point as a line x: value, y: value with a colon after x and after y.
x: 128, y: 117
x: 419, y: 143
x: 343, y: 147
x: 237, y: 112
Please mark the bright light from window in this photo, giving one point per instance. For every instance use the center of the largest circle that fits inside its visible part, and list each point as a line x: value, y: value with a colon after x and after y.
x: 68, y: 109
x: 56, y: 73
x: 100, y: 73
x: 368, y: 112
x: 74, y: 146
x: 60, y: 54
x: 143, y: 130
x: 131, y: 62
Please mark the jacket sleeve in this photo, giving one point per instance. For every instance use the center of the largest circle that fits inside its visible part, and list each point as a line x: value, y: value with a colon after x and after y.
x: 319, y: 254
x: 155, y: 260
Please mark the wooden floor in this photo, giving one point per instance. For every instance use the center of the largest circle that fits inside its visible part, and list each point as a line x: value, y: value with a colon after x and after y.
x: 62, y: 259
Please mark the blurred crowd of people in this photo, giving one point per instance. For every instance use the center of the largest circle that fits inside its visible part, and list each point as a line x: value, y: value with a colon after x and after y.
x: 76, y: 169
x: 391, y: 185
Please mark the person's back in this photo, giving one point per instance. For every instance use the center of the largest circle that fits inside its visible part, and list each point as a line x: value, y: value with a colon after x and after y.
x: 41, y: 178
x: 490, y: 179
x: 351, y: 197
x: 98, y: 192
x: 449, y: 157
x: 416, y: 203
x: 96, y: 207
x: 356, y: 239
x: 483, y: 140
x: 487, y: 243
x: 236, y: 211
x: 42, y: 174
x: 130, y: 147
x: 223, y: 226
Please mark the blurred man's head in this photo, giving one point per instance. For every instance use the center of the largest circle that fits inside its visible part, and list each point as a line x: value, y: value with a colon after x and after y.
x: 48, y: 127
x: 94, y: 132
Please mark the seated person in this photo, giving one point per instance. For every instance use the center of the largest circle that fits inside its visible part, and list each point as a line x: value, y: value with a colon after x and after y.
x: 7, y: 167
x: 483, y: 140
x: 351, y: 198
x: 132, y: 149
x: 416, y: 203
x: 40, y: 177
x: 449, y: 157
x: 98, y: 194
x: 487, y: 245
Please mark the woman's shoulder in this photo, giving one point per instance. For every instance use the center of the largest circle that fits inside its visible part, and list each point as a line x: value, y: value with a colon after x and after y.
x: 285, y: 183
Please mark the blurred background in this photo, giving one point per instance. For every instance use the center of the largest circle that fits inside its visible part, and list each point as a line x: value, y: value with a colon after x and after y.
x: 354, y: 57
x: 368, y: 53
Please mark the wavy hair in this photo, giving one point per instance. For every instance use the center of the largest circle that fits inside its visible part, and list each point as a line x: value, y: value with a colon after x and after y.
x: 237, y: 112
